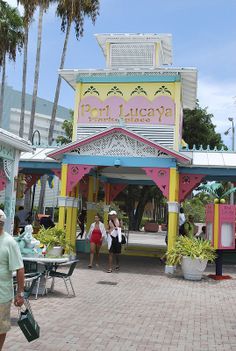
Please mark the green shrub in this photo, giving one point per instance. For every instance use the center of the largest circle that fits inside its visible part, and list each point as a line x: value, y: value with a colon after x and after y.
x: 190, y: 247
x: 53, y: 237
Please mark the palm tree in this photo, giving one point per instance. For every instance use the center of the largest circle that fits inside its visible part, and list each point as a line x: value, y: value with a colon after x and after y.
x: 29, y: 9
x: 218, y: 191
x: 11, y: 39
x: 43, y: 6
x: 71, y: 11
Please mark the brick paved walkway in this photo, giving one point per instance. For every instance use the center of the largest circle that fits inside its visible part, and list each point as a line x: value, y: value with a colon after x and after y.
x: 145, y: 311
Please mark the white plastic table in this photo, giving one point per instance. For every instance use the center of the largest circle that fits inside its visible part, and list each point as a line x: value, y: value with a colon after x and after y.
x: 49, y: 263
x: 46, y: 260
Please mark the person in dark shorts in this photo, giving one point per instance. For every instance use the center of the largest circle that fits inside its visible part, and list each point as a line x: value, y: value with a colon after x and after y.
x: 115, y: 237
x: 81, y: 222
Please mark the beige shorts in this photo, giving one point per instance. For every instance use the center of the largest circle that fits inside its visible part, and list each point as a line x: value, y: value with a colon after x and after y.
x: 5, y: 320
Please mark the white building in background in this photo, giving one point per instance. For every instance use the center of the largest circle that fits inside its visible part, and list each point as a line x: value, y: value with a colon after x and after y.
x: 12, y: 110
x: 11, y: 122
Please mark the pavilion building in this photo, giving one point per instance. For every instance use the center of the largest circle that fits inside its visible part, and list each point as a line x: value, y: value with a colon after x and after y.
x: 127, y: 125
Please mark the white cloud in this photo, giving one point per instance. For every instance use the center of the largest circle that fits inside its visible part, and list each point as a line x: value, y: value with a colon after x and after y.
x: 220, y: 99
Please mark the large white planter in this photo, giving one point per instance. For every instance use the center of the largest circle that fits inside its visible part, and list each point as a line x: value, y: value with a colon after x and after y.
x: 55, y: 251
x: 193, y: 268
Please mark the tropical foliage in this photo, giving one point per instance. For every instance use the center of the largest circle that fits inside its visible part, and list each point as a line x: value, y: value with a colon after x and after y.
x: 198, y: 129
x: 197, y: 206
x: 11, y: 32
x: 53, y: 237
x: 11, y: 39
x: 217, y: 191
x: 191, y: 247
x: 71, y: 12
x: 67, y: 126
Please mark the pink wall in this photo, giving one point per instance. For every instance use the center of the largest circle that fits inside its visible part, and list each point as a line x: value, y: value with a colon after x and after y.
x: 138, y: 110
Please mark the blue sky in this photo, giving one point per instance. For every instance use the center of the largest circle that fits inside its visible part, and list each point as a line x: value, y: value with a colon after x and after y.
x: 204, y: 36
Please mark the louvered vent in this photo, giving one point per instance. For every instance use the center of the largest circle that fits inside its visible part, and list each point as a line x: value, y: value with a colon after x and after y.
x: 163, y: 135
x: 141, y: 55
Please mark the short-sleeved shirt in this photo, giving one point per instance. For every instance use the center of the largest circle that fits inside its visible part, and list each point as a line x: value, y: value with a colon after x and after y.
x: 10, y: 261
x: 189, y: 228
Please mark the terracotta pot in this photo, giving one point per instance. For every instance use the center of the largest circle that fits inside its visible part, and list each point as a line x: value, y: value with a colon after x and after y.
x: 151, y: 227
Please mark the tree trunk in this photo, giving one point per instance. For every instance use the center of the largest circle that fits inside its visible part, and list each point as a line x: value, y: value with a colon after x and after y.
x: 24, y: 75
x: 2, y: 89
x: 58, y: 87
x: 144, y: 197
x: 27, y: 200
x: 42, y: 193
x: 130, y: 206
x: 36, y: 73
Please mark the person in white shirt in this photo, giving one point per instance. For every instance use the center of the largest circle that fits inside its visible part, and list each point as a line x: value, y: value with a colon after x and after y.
x: 95, y: 235
x: 182, y: 218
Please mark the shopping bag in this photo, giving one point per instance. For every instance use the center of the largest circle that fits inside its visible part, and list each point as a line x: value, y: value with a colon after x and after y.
x: 28, y: 325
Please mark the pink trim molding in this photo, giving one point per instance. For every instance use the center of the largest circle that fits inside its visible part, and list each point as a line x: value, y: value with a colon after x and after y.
x: 3, y: 180
x: 187, y: 182
x: 75, y: 174
x: 31, y: 179
x: 161, y: 177
x: 115, y: 190
x: 57, y: 172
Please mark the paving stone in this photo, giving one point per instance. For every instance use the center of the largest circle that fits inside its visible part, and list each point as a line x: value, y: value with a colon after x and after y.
x: 146, y: 310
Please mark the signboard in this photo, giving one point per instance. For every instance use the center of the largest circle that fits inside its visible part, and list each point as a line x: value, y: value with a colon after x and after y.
x: 137, y: 110
x: 227, y: 226
x: 220, y: 222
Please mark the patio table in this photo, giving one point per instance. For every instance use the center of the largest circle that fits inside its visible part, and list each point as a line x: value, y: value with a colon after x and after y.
x: 49, y: 263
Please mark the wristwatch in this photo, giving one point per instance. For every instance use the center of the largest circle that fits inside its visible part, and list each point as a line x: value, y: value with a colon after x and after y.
x: 21, y: 294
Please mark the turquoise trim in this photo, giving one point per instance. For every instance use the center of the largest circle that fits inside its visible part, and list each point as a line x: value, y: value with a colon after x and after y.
x: 119, y: 161
x: 128, y: 79
x: 31, y: 165
x: 216, y: 172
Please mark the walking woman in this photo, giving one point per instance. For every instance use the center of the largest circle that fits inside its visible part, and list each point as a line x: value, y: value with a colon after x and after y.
x: 114, y: 240
x: 95, y: 235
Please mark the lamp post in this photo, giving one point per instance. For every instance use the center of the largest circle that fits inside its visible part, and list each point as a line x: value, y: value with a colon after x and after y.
x: 38, y: 144
x: 39, y: 137
x: 233, y: 132
x: 231, y: 119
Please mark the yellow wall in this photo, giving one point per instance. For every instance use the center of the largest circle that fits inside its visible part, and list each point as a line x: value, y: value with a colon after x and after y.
x: 126, y: 88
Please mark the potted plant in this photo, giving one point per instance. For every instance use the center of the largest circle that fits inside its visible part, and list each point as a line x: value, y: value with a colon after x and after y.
x: 193, y: 254
x: 151, y: 226
x: 55, y: 241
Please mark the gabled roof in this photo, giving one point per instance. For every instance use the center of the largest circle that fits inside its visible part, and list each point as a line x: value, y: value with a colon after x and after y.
x: 38, y: 155
x: 57, y: 154
x: 15, y: 141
